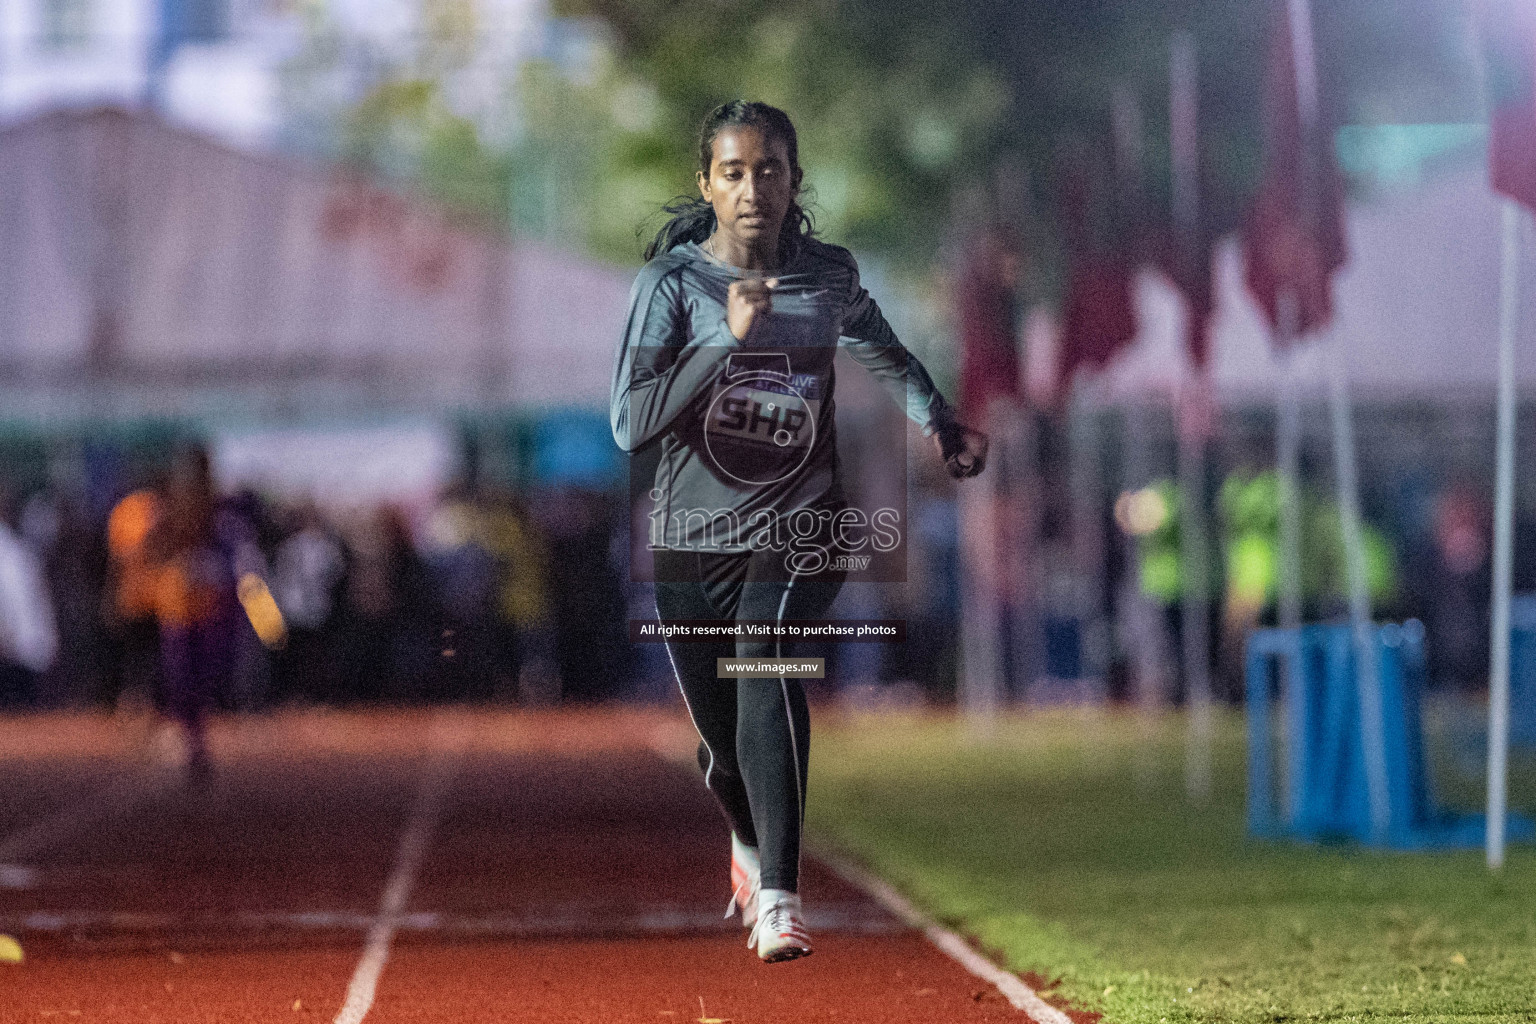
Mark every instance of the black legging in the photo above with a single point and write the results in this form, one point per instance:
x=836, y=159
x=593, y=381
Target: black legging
x=755, y=733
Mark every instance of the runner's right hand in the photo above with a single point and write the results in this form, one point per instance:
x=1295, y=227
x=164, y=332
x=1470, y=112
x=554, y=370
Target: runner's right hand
x=746, y=299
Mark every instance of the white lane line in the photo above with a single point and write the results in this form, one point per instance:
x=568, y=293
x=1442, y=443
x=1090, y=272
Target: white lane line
x=441, y=768
x=1013, y=988
x=118, y=796
x=1009, y=984
x=18, y=876
x=546, y=922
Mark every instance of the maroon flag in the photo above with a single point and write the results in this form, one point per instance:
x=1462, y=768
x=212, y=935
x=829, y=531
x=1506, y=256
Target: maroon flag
x=1187, y=263
x=1295, y=234
x=1099, y=319
x=988, y=314
x=1098, y=315
x=1512, y=121
x=1185, y=254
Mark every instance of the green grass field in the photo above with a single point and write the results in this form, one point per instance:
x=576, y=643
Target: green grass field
x=1063, y=843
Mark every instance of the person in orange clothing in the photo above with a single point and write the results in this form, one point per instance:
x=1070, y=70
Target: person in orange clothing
x=194, y=599
x=130, y=603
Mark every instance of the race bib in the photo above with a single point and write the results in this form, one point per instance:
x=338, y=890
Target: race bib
x=761, y=423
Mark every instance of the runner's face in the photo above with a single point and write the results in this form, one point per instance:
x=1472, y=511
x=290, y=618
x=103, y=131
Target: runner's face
x=750, y=184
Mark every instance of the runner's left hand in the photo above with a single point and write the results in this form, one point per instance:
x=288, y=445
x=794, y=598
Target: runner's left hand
x=963, y=450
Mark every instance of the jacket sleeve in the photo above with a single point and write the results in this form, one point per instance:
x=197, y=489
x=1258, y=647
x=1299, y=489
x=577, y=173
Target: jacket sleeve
x=868, y=338
x=665, y=361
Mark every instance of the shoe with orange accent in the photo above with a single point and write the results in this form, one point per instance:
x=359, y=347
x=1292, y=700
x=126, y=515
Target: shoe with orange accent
x=780, y=932
x=746, y=870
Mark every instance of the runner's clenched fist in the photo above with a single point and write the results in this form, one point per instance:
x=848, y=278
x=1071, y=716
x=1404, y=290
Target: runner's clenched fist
x=963, y=450
x=746, y=299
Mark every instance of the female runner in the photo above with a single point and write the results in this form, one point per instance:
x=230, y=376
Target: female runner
x=727, y=359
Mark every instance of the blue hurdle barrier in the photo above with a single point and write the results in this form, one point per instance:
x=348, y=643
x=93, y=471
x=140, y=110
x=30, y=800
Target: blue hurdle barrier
x=1324, y=793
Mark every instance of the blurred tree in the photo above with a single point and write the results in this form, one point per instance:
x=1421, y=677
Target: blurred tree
x=912, y=115
x=403, y=130
x=893, y=111
x=409, y=104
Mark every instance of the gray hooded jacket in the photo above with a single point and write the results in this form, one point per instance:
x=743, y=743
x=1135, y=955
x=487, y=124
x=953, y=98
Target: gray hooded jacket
x=748, y=429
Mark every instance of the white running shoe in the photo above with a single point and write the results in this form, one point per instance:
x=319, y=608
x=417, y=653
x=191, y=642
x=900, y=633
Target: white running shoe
x=746, y=873
x=779, y=933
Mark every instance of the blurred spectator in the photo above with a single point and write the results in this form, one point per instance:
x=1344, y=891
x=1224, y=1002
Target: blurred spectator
x=307, y=573
x=1458, y=603
x=73, y=555
x=134, y=634
x=464, y=576
x=243, y=528
x=933, y=586
x=586, y=593
x=29, y=639
x=652, y=677
x=388, y=645
x=363, y=640
x=194, y=600
x=525, y=649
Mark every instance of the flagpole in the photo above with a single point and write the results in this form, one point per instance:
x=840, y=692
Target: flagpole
x=1141, y=621
x=1504, y=473
x=1367, y=667
x=1289, y=313
x=1197, y=627
x=1503, y=536
x=1183, y=105
x=1145, y=619
x=1288, y=498
x=1367, y=676
x=1085, y=473
x=979, y=686
x=1287, y=462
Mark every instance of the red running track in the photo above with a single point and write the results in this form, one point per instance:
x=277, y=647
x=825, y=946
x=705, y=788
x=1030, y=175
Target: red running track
x=563, y=872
